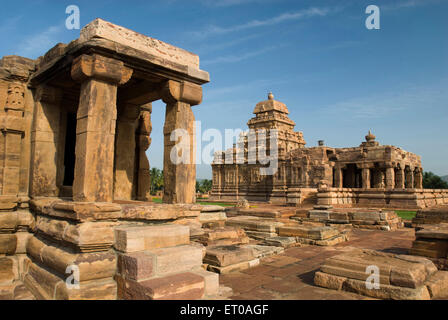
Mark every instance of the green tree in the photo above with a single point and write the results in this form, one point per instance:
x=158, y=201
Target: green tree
x=156, y=180
x=433, y=181
x=204, y=186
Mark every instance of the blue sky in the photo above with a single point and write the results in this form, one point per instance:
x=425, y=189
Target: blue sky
x=337, y=78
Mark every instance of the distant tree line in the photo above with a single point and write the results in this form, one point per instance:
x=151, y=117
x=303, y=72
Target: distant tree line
x=433, y=181
x=202, y=186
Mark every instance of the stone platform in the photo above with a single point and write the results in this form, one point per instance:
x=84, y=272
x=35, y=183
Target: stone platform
x=400, y=277
x=432, y=215
x=432, y=242
x=364, y=218
x=314, y=235
x=256, y=227
x=159, y=263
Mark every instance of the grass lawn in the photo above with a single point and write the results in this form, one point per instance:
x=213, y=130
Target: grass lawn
x=405, y=214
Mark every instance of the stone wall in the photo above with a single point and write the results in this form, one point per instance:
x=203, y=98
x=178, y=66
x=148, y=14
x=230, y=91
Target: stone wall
x=404, y=198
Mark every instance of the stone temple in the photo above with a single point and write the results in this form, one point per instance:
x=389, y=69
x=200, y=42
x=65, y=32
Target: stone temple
x=370, y=174
x=74, y=176
x=77, y=219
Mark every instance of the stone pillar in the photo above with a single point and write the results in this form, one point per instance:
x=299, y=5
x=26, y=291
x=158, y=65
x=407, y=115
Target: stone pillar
x=96, y=121
x=180, y=175
x=418, y=178
x=399, y=179
x=12, y=132
x=409, y=178
x=366, y=178
x=144, y=141
x=390, y=177
x=44, y=142
x=125, y=146
x=338, y=178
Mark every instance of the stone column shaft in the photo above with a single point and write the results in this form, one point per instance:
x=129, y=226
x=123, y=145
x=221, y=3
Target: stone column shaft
x=44, y=140
x=96, y=121
x=144, y=141
x=418, y=179
x=400, y=179
x=365, y=178
x=338, y=178
x=125, y=146
x=180, y=176
x=390, y=178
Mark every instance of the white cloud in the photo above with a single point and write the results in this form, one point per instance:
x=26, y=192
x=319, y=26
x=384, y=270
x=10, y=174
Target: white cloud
x=288, y=16
x=237, y=58
x=407, y=4
x=228, y=3
x=38, y=44
x=386, y=104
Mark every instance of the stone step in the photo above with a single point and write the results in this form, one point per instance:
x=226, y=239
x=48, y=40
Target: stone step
x=180, y=286
x=134, y=239
x=254, y=223
x=308, y=232
x=140, y=266
x=240, y=266
x=226, y=255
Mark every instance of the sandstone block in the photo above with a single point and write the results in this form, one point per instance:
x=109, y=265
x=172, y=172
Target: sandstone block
x=211, y=281
x=92, y=265
x=103, y=289
x=254, y=224
x=136, y=266
x=328, y=280
x=309, y=232
x=438, y=285
x=8, y=244
x=8, y=221
x=91, y=236
x=8, y=270
x=133, y=239
x=319, y=214
x=181, y=286
x=284, y=242
x=176, y=259
x=234, y=267
x=226, y=255
x=387, y=291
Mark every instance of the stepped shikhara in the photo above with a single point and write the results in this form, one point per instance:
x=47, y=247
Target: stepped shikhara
x=368, y=175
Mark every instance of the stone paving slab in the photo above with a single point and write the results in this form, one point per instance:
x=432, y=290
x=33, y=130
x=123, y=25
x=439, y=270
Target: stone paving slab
x=289, y=276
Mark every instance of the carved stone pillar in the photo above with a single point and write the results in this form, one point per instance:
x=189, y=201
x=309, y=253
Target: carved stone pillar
x=399, y=178
x=338, y=177
x=418, y=178
x=179, y=165
x=125, y=146
x=409, y=178
x=144, y=141
x=379, y=179
x=96, y=121
x=390, y=177
x=44, y=140
x=365, y=178
x=12, y=128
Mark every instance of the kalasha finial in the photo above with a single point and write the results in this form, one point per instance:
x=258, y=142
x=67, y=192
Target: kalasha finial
x=370, y=137
x=270, y=96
